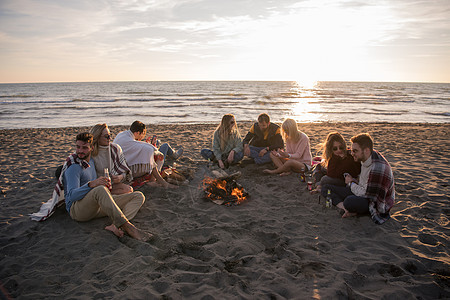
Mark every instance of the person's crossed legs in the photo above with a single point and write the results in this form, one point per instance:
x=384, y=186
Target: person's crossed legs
x=254, y=153
x=99, y=203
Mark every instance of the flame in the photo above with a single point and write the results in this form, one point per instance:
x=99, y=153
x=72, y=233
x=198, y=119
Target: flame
x=208, y=182
x=221, y=184
x=211, y=185
x=239, y=194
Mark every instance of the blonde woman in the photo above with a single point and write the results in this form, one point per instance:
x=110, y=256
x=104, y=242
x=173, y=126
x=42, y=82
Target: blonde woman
x=297, y=156
x=109, y=155
x=227, y=143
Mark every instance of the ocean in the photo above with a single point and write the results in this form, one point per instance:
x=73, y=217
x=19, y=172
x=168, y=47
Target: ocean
x=45, y=105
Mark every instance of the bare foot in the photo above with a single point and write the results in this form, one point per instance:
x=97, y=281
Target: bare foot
x=348, y=214
x=176, y=182
x=171, y=186
x=117, y=231
x=164, y=184
x=167, y=185
x=315, y=191
x=136, y=233
x=285, y=173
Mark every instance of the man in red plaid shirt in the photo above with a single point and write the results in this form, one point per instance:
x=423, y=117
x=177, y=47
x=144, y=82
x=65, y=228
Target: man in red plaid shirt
x=373, y=192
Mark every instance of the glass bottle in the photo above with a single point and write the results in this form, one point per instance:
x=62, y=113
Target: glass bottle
x=328, y=201
x=106, y=174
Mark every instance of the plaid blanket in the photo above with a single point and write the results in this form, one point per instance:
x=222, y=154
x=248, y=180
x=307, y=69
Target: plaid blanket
x=380, y=189
x=49, y=207
x=119, y=164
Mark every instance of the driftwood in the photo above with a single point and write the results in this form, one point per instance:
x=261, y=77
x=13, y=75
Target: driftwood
x=232, y=176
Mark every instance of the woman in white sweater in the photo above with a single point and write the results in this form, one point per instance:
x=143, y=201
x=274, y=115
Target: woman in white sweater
x=109, y=156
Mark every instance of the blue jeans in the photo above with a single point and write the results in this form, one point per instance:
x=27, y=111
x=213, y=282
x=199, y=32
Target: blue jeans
x=166, y=150
x=209, y=154
x=254, y=153
x=352, y=203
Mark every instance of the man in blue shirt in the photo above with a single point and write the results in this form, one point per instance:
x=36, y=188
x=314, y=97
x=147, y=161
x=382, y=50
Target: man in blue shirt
x=88, y=197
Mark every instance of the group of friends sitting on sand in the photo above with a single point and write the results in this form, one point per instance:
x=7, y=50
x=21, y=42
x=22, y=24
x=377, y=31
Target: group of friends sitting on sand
x=358, y=179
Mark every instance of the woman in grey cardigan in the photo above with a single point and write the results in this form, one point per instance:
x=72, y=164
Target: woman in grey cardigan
x=227, y=143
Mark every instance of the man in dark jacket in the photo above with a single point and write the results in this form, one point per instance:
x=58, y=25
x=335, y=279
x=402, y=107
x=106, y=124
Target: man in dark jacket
x=262, y=138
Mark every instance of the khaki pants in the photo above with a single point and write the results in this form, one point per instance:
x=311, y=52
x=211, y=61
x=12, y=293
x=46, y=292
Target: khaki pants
x=100, y=203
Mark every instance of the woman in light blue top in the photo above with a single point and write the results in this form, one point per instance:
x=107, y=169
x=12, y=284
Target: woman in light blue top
x=227, y=143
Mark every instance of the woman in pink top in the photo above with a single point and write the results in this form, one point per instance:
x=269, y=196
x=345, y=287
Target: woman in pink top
x=297, y=156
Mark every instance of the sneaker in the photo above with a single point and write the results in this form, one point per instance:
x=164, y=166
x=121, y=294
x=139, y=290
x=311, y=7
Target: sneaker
x=179, y=152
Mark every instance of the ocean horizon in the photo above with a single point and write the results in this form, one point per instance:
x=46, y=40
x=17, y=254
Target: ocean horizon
x=69, y=104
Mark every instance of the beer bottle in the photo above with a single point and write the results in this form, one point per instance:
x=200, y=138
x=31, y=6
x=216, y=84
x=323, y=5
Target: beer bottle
x=106, y=174
x=328, y=201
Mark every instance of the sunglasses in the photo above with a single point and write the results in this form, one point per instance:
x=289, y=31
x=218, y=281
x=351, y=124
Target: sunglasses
x=107, y=136
x=232, y=122
x=336, y=148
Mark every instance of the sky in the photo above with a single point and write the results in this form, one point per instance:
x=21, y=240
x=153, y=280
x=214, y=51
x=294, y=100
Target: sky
x=147, y=40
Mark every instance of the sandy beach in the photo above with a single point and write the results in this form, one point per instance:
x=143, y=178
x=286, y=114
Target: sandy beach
x=279, y=244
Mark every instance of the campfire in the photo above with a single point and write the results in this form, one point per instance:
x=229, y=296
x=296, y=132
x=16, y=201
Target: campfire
x=224, y=191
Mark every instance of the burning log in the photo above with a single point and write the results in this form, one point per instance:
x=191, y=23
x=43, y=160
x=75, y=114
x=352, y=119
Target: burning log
x=224, y=190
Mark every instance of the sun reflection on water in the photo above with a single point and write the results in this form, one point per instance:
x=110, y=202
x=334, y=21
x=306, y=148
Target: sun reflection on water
x=307, y=84
x=306, y=108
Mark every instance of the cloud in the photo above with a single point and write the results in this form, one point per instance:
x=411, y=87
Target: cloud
x=133, y=26
x=219, y=32
x=24, y=18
